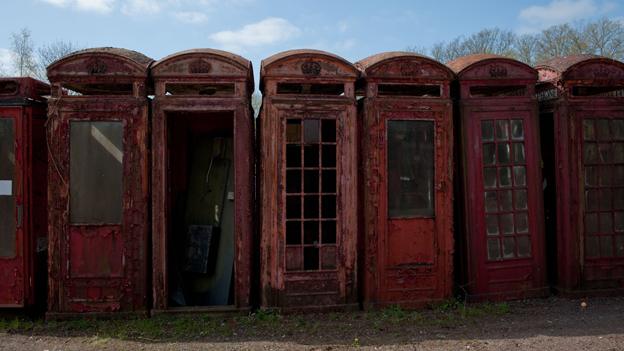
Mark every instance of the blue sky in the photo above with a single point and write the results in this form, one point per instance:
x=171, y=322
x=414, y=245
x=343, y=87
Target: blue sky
x=258, y=28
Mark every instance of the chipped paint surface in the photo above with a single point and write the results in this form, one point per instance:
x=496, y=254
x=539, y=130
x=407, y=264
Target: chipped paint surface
x=99, y=268
x=405, y=261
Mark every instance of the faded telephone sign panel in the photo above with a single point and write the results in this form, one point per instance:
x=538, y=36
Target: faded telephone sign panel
x=502, y=239
x=308, y=181
x=98, y=182
x=202, y=139
x=406, y=138
x=582, y=122
x=23, y=203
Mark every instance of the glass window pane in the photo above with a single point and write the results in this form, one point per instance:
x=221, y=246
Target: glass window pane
x=507, y=223
x=518, y=152
x=606, y=246
x=524, y=246
x=502, y=130
x=311, y=132
x=602, y=129
x=591, y=223
x=517, y=129
x=618, y=129
x=491, y=222
x=618, y=199
x=618, y=221
x=509, y=247
x=328, y=130
x=96, y=172
x=7, y=188
x=519, y=176
x=604, y=177
x=522, y=222
x=590, y=153
x=605, y=153
x=606, y=223
x=293, y=130
x=489, y=177
x=605, y=199
x=618, y=152
x=504, y=174
x=487, y=130
x=489, y=154
x=493, y=249
x=592, y=246
x=491, y=202
x=618, y=175
x=503, y=153
x=589, y=133
x=591, y=176
x=591, y=200
x=520, y=199
x=619, y=246
x=410, y=168
x=505, y=200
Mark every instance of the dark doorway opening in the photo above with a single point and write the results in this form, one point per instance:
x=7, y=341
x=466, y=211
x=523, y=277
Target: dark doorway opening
x=200, y=237
x=547, y=144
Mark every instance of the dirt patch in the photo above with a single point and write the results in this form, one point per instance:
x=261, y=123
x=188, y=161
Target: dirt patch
x=546, y=324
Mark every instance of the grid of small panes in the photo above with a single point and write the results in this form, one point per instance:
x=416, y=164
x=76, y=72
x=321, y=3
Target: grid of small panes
x=311, y=196
x=603, y=165
x=505, y=189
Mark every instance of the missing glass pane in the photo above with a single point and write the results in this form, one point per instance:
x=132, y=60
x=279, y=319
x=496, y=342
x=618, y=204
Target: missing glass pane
x=293, y=156
x=605, y=152
x=311, y=206
x=329, y=156
x=311, y=155
x=293, y=233
x=311, y=181
x=310, y=258
x=311, y=232
x=329, y=232
x=293, y=181
x=329, y=181
x=328, y=130
x=96, y=171
x=329, y=206
x=293, y=207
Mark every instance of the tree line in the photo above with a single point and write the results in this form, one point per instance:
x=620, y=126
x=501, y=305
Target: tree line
x=604, y=37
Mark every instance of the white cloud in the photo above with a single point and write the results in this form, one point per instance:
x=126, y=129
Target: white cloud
x=192, y=17
x=6, y=62
x=100, y=6
x=266, y=32
x=556, y=12
x=140, y=7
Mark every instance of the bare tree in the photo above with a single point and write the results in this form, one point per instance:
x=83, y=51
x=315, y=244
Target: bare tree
x=487, y=41
x=23, y=53
x=48, y=53
x=559, y=40
x=605, y=37
x=524, y=48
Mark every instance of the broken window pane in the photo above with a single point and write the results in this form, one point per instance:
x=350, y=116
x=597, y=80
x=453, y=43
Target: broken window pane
x=502, y=130
x=293, y=130
x=487, y=131
x=96, y=172
x=311, y=132
x=517, y=129
x=410, y=168
x=7, y=188
x=493, y=249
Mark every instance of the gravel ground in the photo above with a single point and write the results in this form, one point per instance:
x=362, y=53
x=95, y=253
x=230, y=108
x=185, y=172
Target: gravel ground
x=544, y=324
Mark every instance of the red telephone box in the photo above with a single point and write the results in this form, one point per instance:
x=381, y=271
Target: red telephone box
x=502, y=183
x=202, y=181
x=98, y=186
x=308, y=181
x=23, y=205
x=582, y=121
x=407, y=183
